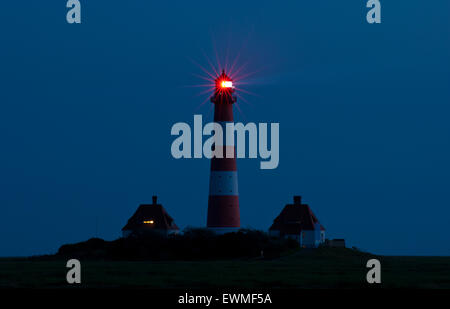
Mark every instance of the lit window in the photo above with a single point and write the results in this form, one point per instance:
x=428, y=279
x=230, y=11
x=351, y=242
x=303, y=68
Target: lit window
x=149, y=222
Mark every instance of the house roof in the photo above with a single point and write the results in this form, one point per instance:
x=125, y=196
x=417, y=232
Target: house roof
x=295, y=218
x=151, y=216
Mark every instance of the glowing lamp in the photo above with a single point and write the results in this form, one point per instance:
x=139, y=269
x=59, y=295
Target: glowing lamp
x=223, y=93
x=226, y=84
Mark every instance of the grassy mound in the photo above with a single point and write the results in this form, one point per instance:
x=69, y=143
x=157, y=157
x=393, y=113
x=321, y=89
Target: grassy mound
x=193, y=244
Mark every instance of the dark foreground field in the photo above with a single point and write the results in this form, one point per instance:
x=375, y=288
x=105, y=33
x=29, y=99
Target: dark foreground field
x=320, y=268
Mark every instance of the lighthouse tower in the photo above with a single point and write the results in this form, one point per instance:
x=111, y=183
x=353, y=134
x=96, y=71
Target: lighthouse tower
x=223, y=202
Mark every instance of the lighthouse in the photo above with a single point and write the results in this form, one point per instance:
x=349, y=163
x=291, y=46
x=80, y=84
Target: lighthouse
x=223, y=202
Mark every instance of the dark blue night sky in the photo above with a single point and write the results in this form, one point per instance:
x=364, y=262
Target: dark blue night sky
x=86, y=112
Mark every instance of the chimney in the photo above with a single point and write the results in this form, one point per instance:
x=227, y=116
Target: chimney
x=154, y=198
x=297, y=199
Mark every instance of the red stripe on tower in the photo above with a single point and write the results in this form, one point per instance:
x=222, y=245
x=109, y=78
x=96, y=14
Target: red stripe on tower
x=223, y=202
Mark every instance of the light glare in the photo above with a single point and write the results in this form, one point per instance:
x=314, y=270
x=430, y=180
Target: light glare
x=227, y=84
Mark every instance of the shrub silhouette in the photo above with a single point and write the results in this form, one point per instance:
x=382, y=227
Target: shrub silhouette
x=192, y=244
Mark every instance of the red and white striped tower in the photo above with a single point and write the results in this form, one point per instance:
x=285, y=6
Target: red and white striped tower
x=223, y=203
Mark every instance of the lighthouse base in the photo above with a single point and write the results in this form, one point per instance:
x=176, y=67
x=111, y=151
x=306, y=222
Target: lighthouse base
x=223, y=230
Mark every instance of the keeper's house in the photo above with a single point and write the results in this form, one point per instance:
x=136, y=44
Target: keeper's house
x=297, y=221
x=150, y=218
